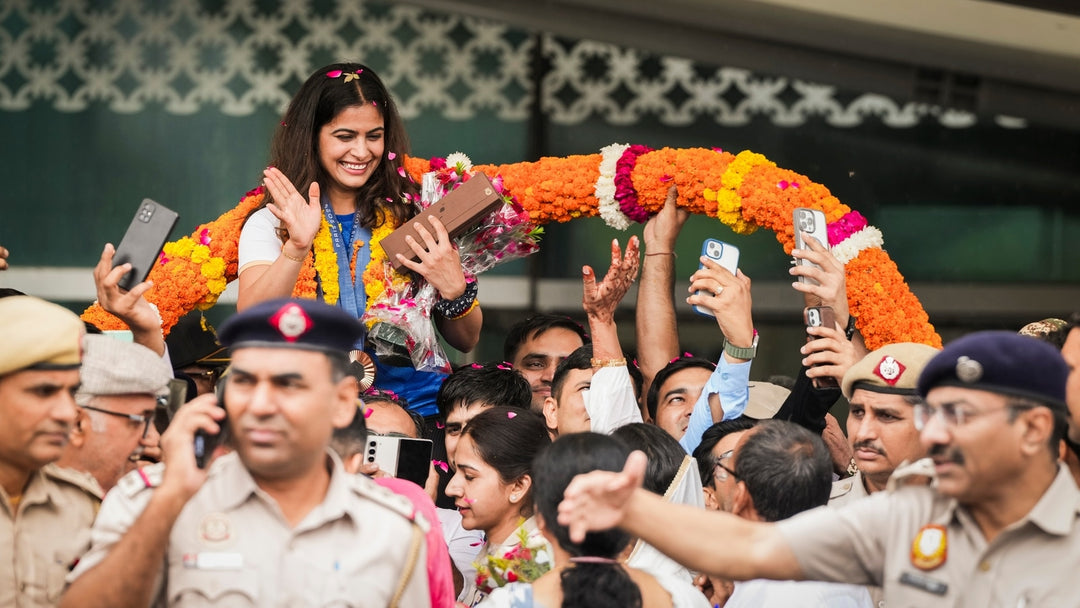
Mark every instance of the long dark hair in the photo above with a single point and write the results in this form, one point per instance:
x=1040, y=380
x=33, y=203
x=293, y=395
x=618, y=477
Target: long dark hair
x=587, y=584
x=508, y=439
x=294, y=149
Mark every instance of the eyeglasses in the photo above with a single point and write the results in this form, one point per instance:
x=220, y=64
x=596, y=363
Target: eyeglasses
x=728, y=471
x=951, y=415
x=138, y=419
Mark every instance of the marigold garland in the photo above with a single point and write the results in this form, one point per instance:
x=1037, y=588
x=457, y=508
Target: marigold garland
x=744, y=191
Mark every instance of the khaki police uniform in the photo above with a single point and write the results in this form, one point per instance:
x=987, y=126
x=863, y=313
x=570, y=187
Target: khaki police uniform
x=846, y=491
x=881, y=539
x=231, y=546
x=44, y=536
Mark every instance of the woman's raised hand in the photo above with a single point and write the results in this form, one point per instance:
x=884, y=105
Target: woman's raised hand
x=300, y=217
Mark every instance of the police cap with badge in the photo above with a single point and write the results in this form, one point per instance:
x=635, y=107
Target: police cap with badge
x=1000, y=362
x=893, y=369
x=292, y=323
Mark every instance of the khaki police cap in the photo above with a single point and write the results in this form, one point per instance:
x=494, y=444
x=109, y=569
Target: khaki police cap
x=765, y=400
x=893, y=368
x=114, y=367
x=38, y=334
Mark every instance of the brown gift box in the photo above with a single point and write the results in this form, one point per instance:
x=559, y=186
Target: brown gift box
x=461, y=209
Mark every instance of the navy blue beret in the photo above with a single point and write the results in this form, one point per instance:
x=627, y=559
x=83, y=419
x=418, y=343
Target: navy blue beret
x=292, y=323
x=1000, y=362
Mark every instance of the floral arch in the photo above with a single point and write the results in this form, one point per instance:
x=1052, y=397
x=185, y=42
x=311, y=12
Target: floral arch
x=622, y=184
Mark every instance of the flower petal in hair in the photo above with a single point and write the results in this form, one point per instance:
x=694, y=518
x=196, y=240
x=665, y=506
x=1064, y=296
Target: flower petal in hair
x=511, y=415
x=333, y=73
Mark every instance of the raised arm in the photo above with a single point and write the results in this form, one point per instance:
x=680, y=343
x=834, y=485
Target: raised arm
x=831, y=289
x=657, y=332
x=301, y=218
x=128, y=306
x=602, y=500
x=611, y=401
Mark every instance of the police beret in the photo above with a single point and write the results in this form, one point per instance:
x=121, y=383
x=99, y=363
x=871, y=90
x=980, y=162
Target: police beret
x=892, y=369
x=38, y=334
x=1000, y=362
x=114, y=367
x=292, y=323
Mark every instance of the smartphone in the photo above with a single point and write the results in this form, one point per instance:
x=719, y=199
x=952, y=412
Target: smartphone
x=402, y=457
x=722, y=253
x=205, y=443
x=821, y=316
x=812, y=223
x=142, y=242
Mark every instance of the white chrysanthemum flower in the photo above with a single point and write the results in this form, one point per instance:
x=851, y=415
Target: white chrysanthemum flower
x=459, y=160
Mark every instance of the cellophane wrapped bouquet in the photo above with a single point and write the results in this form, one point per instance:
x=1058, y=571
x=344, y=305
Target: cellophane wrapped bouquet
x=400, y=319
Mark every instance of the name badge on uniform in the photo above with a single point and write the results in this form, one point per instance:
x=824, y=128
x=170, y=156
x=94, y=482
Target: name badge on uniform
x=927, y=584
x=930, y=547
x=214, y=560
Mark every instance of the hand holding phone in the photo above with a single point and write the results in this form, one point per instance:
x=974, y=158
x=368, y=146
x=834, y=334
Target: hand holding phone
x=809, y=222
x=206, y=443
x=821, y=316
x=142, y=242
x=724, y=254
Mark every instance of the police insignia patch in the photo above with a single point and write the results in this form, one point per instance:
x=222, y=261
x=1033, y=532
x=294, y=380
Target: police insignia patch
x=215, y=528
x=968, y=370
x=291, y=322
x=889, y=370
x=930, y=547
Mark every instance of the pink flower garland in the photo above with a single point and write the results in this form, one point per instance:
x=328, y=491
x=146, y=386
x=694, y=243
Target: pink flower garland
x=846, y=226
x=624, y=185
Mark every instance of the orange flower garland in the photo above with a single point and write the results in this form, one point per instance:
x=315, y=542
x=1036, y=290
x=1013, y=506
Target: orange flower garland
x=744, y=191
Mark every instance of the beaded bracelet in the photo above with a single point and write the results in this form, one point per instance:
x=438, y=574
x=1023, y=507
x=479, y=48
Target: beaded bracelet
x=460, y=305
x=474, y=306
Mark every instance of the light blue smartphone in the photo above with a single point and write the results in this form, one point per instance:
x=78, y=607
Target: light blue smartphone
x=725, y=254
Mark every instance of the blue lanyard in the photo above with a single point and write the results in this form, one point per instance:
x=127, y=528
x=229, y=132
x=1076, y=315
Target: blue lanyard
x=352, y=296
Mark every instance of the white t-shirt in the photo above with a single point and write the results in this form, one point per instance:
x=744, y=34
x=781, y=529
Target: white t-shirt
x=259, y=243
x=808, y=594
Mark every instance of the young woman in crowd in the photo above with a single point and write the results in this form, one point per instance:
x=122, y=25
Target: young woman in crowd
x=492, y=489
x=336, y=156
x=587, y=574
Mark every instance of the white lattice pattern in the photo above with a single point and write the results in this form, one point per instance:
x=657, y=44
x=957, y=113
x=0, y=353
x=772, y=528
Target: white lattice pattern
x=239, y=55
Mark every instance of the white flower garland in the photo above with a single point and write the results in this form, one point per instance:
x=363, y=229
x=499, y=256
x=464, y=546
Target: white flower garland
x=605, y=187
x=849, y=248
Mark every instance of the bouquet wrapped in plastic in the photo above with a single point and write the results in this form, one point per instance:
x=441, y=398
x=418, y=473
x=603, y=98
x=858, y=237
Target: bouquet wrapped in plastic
x=400, y=318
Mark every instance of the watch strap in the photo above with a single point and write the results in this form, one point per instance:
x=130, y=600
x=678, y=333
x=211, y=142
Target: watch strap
x=739, y=352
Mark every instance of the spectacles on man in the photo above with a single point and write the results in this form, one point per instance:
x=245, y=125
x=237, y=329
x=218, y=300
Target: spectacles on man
x=720, y=465
x=951, y=415
x=144, y=420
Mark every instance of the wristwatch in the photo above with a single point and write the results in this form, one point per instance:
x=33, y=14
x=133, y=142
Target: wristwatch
x=739, y=352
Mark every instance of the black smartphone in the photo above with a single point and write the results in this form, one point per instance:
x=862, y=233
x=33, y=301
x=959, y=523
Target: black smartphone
x=142, y=242
x=821, y=316
x=206, y=443
x=402, y=457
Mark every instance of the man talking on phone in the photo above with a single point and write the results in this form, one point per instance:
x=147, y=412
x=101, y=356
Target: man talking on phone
x=277, y=520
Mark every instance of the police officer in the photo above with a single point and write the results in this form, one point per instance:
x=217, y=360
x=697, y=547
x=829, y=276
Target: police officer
x=880, y=389
x=277, y=521
x=46, y=511
x=1001, y=528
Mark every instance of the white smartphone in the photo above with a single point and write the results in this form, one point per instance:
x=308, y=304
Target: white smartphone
x=402, y=457
x=812, y=223
x=724, y=254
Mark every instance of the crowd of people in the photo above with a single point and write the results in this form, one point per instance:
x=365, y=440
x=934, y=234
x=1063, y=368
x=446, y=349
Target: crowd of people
x=239, y=467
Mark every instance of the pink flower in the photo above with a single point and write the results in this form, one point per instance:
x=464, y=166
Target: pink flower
x=511, y=415
x=438, y=163
x=511, y=577
x=204, y=236
x=782, y=184
x=368, y=412
x=162, y=259
x=333, y=73
x=439, y=425
x=441, y=465
x=401, y=171
x=391, y=155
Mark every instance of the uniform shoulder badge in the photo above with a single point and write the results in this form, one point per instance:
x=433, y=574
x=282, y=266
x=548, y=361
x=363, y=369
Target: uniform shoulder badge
x=389, y=499
x=141, y=479
x=930, y=548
